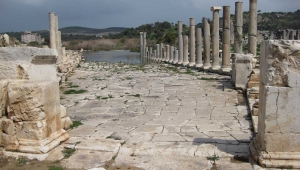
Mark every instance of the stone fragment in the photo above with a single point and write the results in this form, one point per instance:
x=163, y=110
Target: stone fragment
x=3, y=97
x=34, y=100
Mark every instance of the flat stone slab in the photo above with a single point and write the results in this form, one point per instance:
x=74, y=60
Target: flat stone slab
x=153, y=117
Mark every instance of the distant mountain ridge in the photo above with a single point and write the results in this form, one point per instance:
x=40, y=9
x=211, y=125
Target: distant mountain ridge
x=76, y=30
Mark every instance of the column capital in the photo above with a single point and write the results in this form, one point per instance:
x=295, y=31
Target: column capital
x=215, y=8
x=141, y=33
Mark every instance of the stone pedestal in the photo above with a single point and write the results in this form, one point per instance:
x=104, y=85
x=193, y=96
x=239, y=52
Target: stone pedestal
x=277, y=144
x=215, y=39
x=252, y=29
x=206, y=64
x=238, y=28
x=34, y=120
x=180, y=43
x=199, y=48
x=185, y=50
x=226, y=41
x=192, y=43
x=242, y=70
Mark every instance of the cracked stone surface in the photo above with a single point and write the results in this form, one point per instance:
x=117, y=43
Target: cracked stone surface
x=155, y=116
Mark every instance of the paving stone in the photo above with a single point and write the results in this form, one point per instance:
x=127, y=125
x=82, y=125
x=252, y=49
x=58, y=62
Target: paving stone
x=176, y=121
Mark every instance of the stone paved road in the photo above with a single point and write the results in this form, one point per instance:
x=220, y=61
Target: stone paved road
x=155, y=117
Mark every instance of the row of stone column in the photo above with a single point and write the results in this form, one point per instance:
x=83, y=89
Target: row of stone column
x=55, y=35
x=201, y=56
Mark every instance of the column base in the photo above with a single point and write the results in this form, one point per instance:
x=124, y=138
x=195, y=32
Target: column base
x=206, y=67
x=179, y=62
x=174, y=62
x=185, y=63
x=170, y=61
x=288, y=160
x=39, y=146
x=191, y=64
x=214, y=68
x=199, y=65
x=226, y=70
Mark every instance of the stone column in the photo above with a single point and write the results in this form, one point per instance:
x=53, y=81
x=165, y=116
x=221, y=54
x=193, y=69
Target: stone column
x=175, y=61
x=145, y=43
x=59, y=42
x=192, y=42
x=150, y=52
x=252, y=30
x=161, y=52
x=52, y=29
x=185, y=50
x=141, y=44
x=215, y=39
x=157, y=51
x=180, y=43
x=147, y=52
x=199, y=48
x=167, y=53
x=206, y=64
x=238, y=28
x=226, y=40
x=63, y=51
x=56, y=35
x=171, y=54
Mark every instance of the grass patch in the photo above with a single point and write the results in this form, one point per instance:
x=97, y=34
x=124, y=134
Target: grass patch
x=70, y=85
x=68, y=152
x=110, y=96
x=189, y=71
x=213, y=158
x=128, y=78
x=72, y=91
x=236, y=104
x=123, y=143
x=55, y=168
x=75, y=124
x=174, y=69
x=98, y=97
x=22, y=160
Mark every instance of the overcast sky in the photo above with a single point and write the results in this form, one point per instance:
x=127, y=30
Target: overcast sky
x=21, y=15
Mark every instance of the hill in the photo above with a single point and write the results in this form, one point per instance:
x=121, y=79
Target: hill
x=75, y=30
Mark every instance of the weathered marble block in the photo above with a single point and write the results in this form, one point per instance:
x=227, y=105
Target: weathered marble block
x=242, y=70
x=277, y=144
x=33, y=100
x=3, y=97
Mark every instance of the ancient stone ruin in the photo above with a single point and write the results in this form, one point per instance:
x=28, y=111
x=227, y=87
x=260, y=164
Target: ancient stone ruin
x=31, y=117
x=271, y=90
